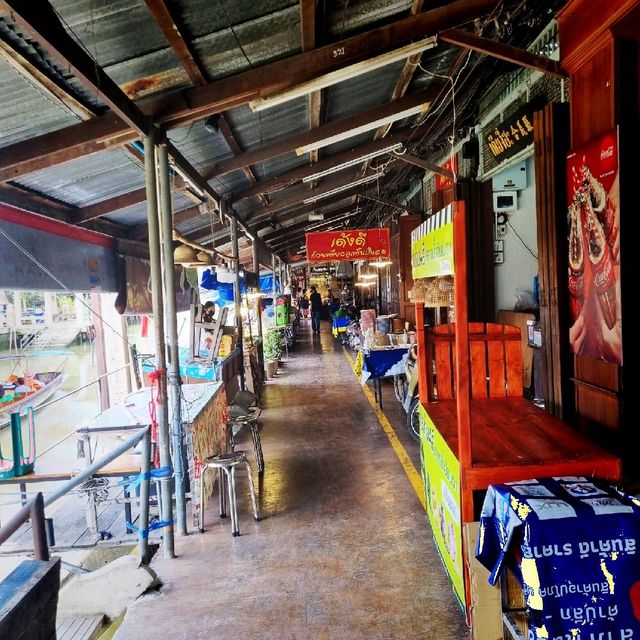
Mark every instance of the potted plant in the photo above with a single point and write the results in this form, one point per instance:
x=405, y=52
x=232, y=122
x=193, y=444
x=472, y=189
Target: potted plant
x=272, y=351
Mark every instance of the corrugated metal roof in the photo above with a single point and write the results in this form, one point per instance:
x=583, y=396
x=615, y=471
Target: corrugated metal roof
x=88, y=180
x=227, y=36
x=25, y=112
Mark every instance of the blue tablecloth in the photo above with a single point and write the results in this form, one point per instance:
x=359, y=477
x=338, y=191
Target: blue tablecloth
x=381, y=363
x=573, y=543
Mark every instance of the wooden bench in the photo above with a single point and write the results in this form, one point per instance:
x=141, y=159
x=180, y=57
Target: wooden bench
x=508, y=438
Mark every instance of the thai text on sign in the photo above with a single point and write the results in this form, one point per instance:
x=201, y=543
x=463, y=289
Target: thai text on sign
x=345, y=246
x=512, y=135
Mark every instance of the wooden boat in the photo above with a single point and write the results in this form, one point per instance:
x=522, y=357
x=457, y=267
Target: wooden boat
x=48, y=381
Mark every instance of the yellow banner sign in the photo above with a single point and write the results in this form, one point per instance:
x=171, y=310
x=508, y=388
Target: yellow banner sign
x=432, y=254
x=441, y=475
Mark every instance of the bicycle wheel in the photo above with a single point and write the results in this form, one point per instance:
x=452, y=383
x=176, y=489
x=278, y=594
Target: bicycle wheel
x=413, y=419
x=399, y=387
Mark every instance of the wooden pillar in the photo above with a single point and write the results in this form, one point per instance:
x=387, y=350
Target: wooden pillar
x=462, y=356
x=551, y=132
x=101, y=362
x=423, y=360
x=599, y=48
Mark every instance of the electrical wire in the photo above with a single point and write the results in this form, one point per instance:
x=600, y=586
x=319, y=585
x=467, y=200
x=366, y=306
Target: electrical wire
x=524, y=244
x=244, y=53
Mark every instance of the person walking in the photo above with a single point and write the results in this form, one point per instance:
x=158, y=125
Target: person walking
x=303, y=304
x=315, y=300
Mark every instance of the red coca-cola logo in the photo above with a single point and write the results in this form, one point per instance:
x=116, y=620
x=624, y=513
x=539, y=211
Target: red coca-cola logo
x=603, y=279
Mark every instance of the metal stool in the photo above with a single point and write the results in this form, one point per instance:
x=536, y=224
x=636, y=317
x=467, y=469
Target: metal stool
x=226, y=464
x=239, y=419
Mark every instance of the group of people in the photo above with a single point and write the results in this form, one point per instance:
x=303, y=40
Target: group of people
x=311, y=306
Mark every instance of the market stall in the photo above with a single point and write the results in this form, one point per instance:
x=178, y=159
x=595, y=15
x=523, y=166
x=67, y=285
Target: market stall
x=476, y=428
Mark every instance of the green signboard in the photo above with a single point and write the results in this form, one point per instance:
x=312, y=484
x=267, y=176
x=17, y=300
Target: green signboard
x=432, y=254
x=441, y=475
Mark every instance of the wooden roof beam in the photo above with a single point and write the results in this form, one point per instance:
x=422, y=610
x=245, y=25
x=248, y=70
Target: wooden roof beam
x=184, y=107
x=298, y=196
x=289, y=178
x=337, y=127
x=308, y=28
x=502, y=51
x=63, y=145
x=188, y=105
x=175, y=36
x=426, y=165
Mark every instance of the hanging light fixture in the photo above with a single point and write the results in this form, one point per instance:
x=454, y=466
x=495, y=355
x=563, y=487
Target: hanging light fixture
x=205, y=258
x=380, y=263
x=185, y=255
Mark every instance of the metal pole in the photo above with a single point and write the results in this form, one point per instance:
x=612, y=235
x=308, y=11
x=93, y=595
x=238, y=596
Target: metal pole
x=273, y=272
x=236, y=292
x=173, y=368
x=145, y=468
x=256, y=268
x=40, y=548
x=157, y=304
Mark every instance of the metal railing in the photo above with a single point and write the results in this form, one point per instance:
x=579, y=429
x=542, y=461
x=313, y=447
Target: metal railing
x=34, y=511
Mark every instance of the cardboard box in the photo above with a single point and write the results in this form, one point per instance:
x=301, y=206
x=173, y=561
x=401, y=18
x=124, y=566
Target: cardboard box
x=485, y=608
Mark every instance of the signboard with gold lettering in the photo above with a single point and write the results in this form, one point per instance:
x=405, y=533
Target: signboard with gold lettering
x=353, y=244
x=512, y=135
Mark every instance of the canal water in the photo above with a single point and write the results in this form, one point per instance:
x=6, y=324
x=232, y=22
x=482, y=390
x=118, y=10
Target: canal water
x=61, y=415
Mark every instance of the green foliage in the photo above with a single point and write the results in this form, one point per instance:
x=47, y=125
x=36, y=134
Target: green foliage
x=271, y=346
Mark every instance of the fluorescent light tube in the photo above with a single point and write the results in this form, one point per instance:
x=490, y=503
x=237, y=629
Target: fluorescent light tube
x=350, y=71
x=369, y=126
x=315, y=217
x=344, y=187
x=351, y=163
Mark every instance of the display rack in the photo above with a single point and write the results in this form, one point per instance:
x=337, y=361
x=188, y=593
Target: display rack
x=476, y=428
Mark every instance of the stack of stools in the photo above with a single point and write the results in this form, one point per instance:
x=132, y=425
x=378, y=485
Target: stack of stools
x=226, y=464
x=244, y=411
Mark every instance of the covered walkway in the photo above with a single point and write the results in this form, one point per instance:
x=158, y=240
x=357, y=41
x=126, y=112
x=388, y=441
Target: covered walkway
x=343, y=550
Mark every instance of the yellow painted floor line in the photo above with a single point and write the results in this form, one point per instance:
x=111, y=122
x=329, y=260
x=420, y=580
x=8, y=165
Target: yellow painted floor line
x=409, y=468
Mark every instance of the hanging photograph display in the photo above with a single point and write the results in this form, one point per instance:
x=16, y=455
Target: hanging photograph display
x=594, y=249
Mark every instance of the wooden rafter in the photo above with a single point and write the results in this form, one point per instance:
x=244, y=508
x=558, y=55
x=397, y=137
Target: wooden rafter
x=112, y=204
x=289, y=178
x=406, y=75
x=337, y=127
x=63, y=145
x=40, y=20
x=298, y=196
x=308, y=28
x=502, y=51
x=179, y=43
x=426, y=165
x=186, y=106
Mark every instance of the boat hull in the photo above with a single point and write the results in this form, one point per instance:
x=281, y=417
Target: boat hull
x=52, y=381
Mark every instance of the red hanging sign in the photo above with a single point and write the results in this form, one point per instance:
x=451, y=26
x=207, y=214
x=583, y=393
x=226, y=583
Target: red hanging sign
x=345, y=246
x=442, y=182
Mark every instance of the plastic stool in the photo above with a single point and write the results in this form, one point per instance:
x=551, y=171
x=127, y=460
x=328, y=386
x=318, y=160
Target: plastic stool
x=250, y=420
x=226, y=464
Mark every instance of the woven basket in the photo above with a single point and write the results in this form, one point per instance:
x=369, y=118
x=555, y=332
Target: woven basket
x=433, y=292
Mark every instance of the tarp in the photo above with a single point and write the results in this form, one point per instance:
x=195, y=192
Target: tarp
x=573, y=542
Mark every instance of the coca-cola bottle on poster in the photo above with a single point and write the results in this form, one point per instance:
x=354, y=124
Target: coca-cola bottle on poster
x=576, y=261
x=602, y=207
x=601, y=264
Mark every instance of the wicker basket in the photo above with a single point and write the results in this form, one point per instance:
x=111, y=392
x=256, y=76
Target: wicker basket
x=433, y=292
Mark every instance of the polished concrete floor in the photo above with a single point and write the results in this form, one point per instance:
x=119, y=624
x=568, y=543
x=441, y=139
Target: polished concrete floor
x=343, y=550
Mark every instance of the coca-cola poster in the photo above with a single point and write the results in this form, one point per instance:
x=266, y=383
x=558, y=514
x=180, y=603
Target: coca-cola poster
x=593, y=218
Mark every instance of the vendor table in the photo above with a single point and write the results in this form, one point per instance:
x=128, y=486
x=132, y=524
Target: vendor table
x=573, y=543
x=383, y=362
